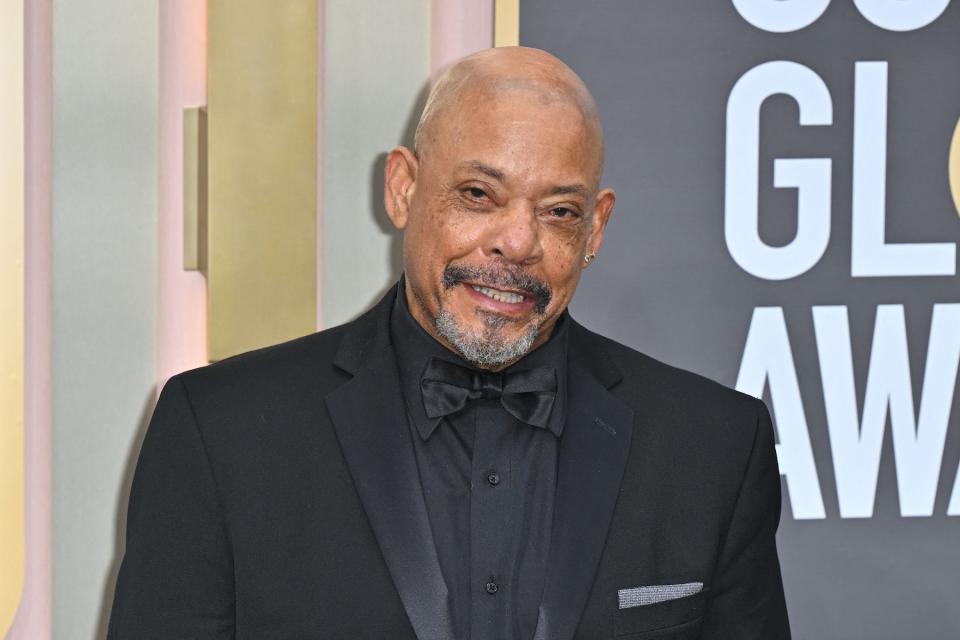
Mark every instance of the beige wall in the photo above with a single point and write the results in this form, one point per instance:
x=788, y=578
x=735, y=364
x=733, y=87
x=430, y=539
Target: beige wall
x=104, y=286
x=105, y=202
x=375, y=74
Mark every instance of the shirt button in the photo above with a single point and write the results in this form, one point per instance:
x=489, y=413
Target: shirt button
x=493, y=478
x=491, y=586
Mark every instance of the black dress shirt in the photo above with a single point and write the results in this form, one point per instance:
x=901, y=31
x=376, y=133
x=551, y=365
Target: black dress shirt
x=489, y=482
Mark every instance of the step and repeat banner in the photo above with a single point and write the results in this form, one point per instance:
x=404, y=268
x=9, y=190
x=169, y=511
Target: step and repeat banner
x=788, y=214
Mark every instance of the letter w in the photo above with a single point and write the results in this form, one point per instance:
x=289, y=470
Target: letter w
x=917, y=443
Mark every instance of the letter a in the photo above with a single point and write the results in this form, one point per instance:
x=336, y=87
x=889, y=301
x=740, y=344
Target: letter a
x=767, y=358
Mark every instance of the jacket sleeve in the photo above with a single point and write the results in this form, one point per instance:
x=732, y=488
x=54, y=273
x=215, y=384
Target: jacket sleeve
x=176, y=578
x=747, y=601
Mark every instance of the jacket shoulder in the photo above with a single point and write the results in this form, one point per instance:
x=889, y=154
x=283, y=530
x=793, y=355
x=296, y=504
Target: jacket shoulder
x=651, y=380
x=303, y=365
x=313, y=358
x=702, y=427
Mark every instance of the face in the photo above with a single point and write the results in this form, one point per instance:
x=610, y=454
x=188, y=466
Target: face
x=497, y=215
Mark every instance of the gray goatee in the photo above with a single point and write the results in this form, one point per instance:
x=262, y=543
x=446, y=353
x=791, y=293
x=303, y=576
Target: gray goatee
x=488, y=347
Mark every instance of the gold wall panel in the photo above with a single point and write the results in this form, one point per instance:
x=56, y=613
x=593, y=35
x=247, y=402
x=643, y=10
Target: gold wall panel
x=12, y=539
x=262, y=168
x=195, y=189
x=954, y=167
x=506, y=25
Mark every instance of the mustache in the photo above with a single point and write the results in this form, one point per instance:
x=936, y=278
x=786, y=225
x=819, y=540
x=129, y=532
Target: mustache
x=500, y=277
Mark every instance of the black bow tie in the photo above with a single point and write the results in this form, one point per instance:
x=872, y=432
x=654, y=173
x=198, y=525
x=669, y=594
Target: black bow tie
x=526, y=395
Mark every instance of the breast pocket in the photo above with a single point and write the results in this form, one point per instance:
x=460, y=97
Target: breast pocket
x=678, y=619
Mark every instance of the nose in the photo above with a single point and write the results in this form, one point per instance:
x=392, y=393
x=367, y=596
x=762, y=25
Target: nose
x=515, y=234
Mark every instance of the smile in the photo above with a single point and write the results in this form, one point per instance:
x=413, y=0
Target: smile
x=500, y=296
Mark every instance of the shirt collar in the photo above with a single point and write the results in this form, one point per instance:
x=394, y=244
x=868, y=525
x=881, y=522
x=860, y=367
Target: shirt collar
x=414, y=347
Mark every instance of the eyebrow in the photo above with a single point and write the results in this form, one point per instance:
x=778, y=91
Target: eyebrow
x=500, y=176
x=569, y=189
x=487, y=170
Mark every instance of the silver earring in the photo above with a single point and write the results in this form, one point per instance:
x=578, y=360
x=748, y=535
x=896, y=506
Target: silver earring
x=587, y=258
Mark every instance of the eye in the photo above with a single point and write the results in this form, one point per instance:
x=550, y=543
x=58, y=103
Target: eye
x=562, y=212
x=475, y=193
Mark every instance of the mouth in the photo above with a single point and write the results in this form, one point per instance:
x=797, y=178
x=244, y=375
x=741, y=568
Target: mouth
x=499, y=289
x=500, y=295
x=499, y=300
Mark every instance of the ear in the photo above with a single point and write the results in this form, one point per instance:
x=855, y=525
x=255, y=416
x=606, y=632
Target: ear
x=601, y=216
x=399, y=184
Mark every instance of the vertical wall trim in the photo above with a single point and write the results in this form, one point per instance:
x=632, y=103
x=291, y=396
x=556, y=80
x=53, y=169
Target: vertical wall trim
x=34, y=617
x=181, y=295
x=507, y=25
x=457, y=29
x=12, y=468
x=321, y=106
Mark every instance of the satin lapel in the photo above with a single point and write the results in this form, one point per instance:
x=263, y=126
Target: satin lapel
x=593, y=454
x=370, y=418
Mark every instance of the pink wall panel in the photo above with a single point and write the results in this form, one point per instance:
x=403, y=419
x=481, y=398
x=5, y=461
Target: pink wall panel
x=182, y=318
x=457, y=29
x=34, y=616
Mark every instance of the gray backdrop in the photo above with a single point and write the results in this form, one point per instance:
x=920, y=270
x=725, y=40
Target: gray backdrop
x=667, y=283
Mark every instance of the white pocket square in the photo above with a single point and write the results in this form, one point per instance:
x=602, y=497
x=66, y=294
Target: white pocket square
x=642, y=596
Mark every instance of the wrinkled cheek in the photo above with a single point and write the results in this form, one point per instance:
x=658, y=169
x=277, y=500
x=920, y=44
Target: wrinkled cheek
x=563, y=294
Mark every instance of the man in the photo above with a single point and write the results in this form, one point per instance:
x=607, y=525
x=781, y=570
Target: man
x=464, y=460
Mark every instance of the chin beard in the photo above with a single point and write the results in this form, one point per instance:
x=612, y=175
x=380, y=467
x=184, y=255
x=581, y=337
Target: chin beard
x=487, y=348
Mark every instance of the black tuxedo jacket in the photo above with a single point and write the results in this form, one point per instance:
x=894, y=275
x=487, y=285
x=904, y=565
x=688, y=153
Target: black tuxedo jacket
x=277, y=496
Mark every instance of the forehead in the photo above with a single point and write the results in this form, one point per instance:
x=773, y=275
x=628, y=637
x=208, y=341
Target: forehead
x=526, y=134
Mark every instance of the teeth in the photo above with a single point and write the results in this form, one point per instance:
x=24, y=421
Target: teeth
x=499, y=296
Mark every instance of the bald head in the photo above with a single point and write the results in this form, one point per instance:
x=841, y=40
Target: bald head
x=500, y=74
x=501, y=195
